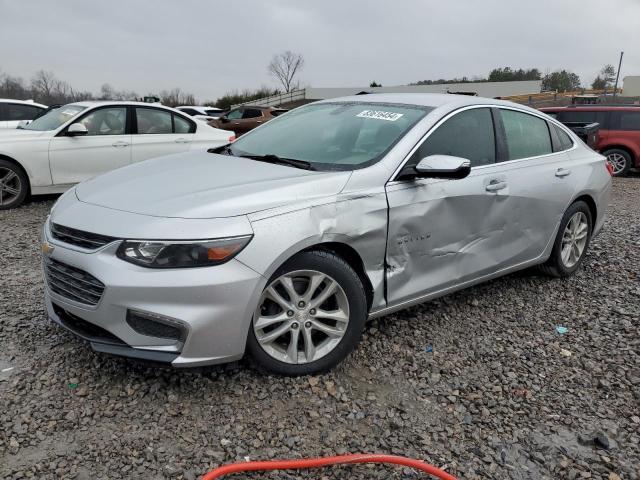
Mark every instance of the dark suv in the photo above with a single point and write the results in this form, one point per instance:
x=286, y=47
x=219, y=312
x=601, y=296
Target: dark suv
x=242, y=119
x=619, y=135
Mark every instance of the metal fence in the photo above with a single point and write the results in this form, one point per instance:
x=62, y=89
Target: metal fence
x=276, y=100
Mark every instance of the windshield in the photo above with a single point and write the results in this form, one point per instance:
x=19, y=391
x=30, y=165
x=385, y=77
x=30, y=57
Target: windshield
x=332, y=136
x=54, y=118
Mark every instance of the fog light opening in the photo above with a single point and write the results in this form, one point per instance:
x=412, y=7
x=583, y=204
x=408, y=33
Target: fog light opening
x=157, y=326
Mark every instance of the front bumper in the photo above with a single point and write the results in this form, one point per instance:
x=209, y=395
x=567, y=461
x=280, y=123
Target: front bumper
x=212, y=305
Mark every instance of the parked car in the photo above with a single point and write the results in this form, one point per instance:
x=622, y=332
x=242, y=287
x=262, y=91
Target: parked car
x=619, y=134
x=243, y=119
x=81, y=140
x=206, y=114
x=15, y=112
x=286, y=241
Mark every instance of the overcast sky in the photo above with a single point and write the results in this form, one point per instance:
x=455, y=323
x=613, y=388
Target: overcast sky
x=209, y=47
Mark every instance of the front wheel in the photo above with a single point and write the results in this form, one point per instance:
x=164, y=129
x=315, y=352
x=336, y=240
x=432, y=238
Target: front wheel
x=310, y=315
x=572, y=241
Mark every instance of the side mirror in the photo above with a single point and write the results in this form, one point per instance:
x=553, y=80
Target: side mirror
x=76, y=130
x=443, y=166
x=23, y=123
x=224, y=119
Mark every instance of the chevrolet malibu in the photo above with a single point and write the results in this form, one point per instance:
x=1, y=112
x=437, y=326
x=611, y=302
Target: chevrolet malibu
x=285, y=242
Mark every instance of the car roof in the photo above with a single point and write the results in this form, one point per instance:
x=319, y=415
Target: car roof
x=433, y=100
x=93, y=103
x=199, y=106
x=591, y=107
x=23, y=102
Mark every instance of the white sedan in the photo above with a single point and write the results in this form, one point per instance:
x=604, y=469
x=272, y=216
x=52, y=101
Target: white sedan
x=78, y=141
x=15, y=112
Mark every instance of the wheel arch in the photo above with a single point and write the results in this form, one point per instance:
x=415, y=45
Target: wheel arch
x=591, y=203
x=21, y=167
x=339, y=246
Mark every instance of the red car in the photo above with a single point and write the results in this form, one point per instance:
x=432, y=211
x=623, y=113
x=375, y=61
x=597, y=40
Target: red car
x=619, y=134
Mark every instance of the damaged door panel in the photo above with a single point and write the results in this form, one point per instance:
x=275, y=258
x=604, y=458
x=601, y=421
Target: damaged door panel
x=444, y=232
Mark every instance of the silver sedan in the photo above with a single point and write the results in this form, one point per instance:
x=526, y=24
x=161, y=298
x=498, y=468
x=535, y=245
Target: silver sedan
x=285, y=242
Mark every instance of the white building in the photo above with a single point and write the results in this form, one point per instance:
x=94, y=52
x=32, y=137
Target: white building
x=481, y=89
x=631, y=86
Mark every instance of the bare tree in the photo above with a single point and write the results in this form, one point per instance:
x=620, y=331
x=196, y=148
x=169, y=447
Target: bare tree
x=284, y=67
x=43, y=85
x=176, y=97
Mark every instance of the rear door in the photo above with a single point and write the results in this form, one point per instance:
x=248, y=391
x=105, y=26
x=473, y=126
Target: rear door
x=159, y=132
x=541, y=181
x=107, y=146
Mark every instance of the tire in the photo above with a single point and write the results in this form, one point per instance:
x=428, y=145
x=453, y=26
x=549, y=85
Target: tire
x=294, y=320
x=620, y=160
x=558, y=265
x=14, y=185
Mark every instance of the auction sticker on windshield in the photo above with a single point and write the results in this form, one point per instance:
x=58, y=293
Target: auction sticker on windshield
x=380, y=115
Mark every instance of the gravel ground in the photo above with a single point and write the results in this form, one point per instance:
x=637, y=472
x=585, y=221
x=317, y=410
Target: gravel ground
x=479, y=381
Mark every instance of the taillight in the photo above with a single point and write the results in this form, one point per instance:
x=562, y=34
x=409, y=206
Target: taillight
x=609, y=167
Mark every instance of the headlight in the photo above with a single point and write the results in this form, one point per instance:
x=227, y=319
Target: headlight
x=199, y=253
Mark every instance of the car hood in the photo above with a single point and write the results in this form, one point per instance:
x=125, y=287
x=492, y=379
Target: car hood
x=206, y=185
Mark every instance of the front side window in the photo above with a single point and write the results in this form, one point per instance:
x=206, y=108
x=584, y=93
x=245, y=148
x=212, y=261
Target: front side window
x=333, y=136
x=527, y=136
x=468, y=134
x=153, y=121
x=55, y=118
x=235, y=114
x=106, y=121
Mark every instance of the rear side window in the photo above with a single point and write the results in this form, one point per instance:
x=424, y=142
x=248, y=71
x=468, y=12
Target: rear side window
x=153, y=121
x=21, y=112
x=625, y=120
x=251, y=113
x=527, y=136
x=565, y=140
x=182, y=125
x=468, y=134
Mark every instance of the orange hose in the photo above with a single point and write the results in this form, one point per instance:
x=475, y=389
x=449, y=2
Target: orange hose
x=324, y=462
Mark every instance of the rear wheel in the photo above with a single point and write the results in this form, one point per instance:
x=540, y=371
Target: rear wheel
x=310, y=315
x=572, y=241
x=620, y=161
x=13, y=185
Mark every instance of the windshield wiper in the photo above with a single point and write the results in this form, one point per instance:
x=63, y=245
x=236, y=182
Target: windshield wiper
x=271, y=158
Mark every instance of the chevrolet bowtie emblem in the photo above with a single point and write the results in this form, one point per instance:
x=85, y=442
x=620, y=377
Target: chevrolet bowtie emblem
x=47, y=248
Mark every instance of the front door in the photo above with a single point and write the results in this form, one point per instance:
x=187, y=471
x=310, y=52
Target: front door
x=446, y=232
x=105, y=147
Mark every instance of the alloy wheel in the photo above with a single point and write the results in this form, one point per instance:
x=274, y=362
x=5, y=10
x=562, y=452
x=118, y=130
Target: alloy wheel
x=574, y=239
x=301, y=317
x=617, y=162
x=10, y=186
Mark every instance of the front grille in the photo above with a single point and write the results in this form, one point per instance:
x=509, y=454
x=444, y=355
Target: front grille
x=79, y=238
x=72, y=283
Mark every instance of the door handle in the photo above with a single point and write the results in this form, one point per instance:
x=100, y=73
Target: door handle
x=562, y=172
x=120, y=144
x=495, y=185
x=182, y=140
